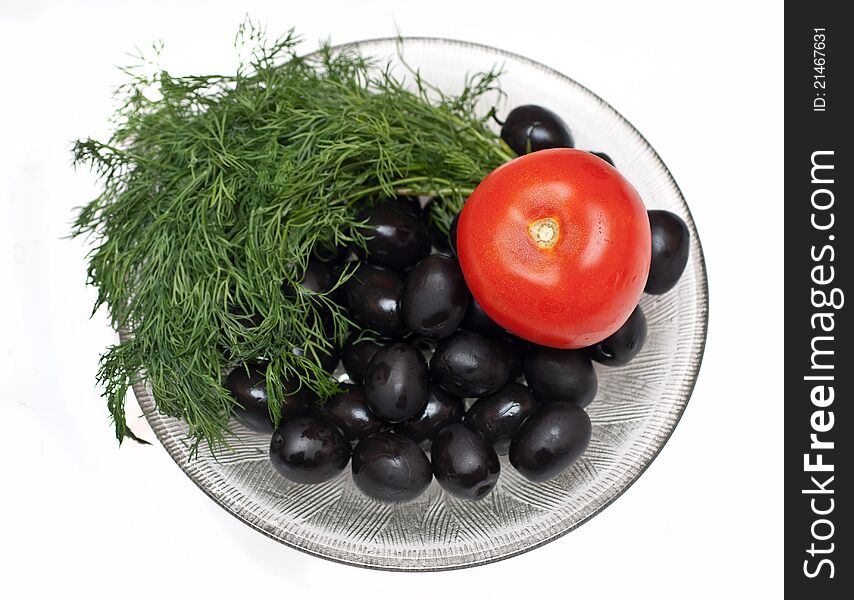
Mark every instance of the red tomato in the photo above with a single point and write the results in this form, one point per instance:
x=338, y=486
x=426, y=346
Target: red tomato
x=555, y=246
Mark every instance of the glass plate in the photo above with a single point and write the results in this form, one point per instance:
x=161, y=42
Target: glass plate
x=636, y=409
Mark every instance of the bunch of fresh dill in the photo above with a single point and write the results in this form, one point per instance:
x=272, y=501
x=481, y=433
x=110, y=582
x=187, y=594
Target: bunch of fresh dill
x=218, y=189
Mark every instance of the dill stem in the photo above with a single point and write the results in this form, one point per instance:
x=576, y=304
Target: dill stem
x=440, y=193
x=368, y=191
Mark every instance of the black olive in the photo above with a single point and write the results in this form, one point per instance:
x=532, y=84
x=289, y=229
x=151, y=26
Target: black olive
x=348, y=410
x=671, y=241
x=319, y=277
x=513, y=348
x=249, y=388
x=398, y=239
x=452, y=233
x=478, y=321
x=250, y=391
x=435, y=297
x=373, y=295
x=424, y=345
x=624, y=344
x=330, y=358
x=442, y=409
x=464, y=464
x=298, y=401
x=408, y=204
x=499, y=416
x=440, y=241
x=390, y=467
x=356, y=356
x=469, y=365
x=445, y=243
x=396, y=382
x=556, y=375
x=530, y=128
x=604, y=157
x=309, y=450
x=333, y=255
x=550, y=441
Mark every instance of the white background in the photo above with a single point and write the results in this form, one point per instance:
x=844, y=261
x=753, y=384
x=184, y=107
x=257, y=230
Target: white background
x=81, y=517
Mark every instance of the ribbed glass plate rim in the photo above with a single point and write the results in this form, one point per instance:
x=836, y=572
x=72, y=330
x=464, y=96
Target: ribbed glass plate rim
x=177, y=449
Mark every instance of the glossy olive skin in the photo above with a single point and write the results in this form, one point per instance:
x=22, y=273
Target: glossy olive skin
x=499, y=416
x=398, y=239
x=390, y=467
x=396, y=382
x=309, y=450
x=671, y=242
x=435, y=297
x=478, y=321
x=604, y=157
x=356, y=356
x=250, y=391
x=330, y=359
x=249, y=388
x=373, y=297
x=624, y=344
x=550, y=441
x=441, y=409
x=348, y=410
x=452, y=234
x=408, y=204
x=423, y=345
x=441, y=243
x=319, y=277
x=469, y=365
x=445, y=243
x=464, y=464
x=514, y=350
x=556, y=375
x=298, y=401
x=530, y=128
x=333, y=255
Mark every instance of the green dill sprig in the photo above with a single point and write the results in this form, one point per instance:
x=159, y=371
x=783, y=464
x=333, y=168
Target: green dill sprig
x=218, y=188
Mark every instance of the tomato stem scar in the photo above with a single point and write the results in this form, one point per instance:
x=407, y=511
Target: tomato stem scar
x=544, y=232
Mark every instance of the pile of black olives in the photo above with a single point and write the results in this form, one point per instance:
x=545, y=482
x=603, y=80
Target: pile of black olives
x=432, y=351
